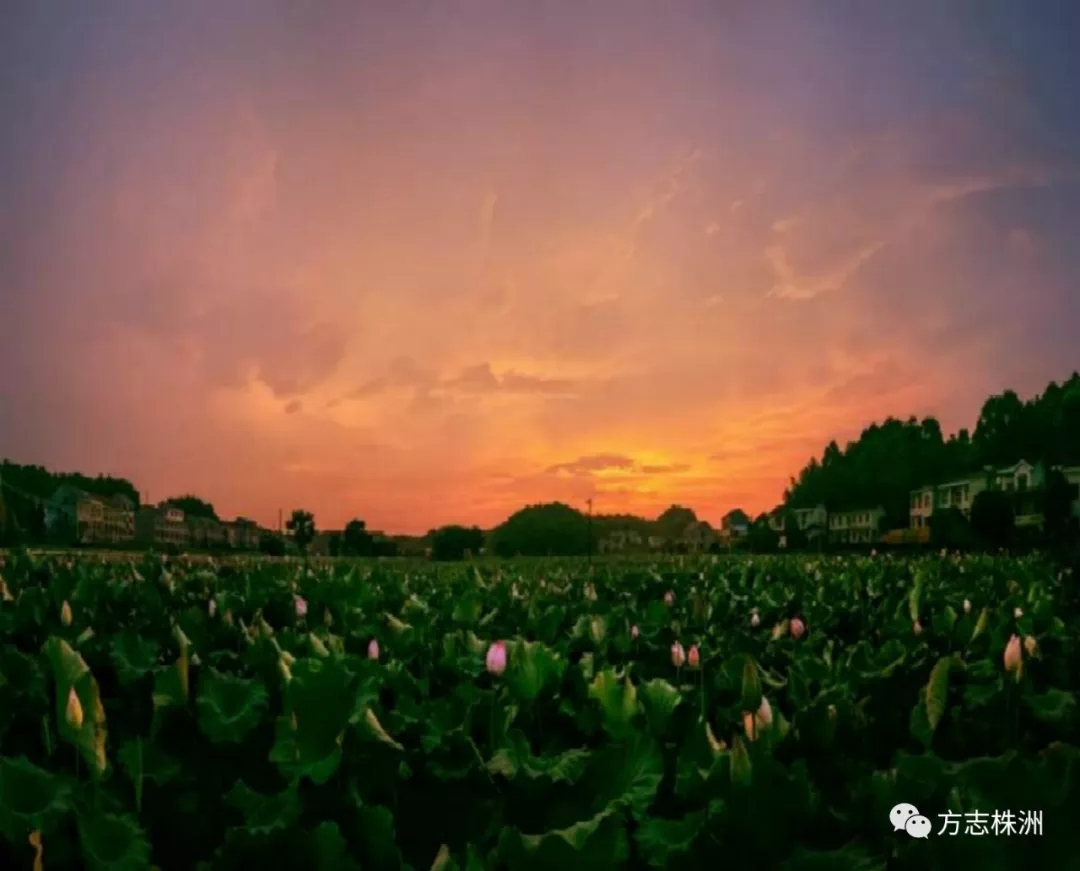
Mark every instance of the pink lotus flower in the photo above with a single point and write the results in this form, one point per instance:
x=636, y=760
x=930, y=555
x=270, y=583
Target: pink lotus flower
x=1013, y=655
x=798, y=628
x=754, y=723
x=496, y=658
x=693, y=658
x=301, y=607
x=373, y=650
x=669, y=598
x=678, y=655
x=1031, y=646
x=634, y=632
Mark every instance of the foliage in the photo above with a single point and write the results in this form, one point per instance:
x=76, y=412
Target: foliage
x=193, y=506
x=302, y=526
x=271, y=545
x=554, y=529
x=251, y=733
x=892, y=458
x=355, y=539
x=456, y=542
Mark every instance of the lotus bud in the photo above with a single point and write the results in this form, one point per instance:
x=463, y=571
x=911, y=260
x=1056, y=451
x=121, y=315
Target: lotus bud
x=634, y=632
x=755, y=620
x=228, y=618
x=373, y=650
x=669, y=598
x=798, y=628
x=65, y=613
x=301, y=608
x=1031, y=646
x=967, y=606
x=5, y=593
x=211, y=608
x=283, y=667
x=678, y=655
x=1018, y=612
x=755, y=723
x=916, y=628
x=496, y=658
x=693, y=658
x=327, y=619
x=74, y=712
x=1013, y=656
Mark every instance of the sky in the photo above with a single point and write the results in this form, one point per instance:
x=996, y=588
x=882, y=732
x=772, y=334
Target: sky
x=428, y=262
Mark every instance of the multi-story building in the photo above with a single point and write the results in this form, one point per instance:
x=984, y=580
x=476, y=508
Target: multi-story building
x=698, y=536
x=162, y=526
x=90, y=519
x=1022, y=478
x=620, y=540
x=813, y=522
x=243, y=534
x=206, y=533
x=859, y=526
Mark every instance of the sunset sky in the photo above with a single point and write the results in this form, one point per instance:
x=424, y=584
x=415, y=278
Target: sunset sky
x=428, y=262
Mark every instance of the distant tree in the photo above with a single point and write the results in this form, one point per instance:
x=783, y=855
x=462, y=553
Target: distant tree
x=992, y=519
x=193, y=506
x=334, y=544
x=302, y=526
x=760, y=537
x=554, y=529
x=1057, y=499
x=456, y=542
x=674, y=521
x=271, y=545
x=356, y=541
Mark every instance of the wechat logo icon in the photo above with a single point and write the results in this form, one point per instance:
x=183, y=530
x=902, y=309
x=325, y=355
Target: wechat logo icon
x=906, y=818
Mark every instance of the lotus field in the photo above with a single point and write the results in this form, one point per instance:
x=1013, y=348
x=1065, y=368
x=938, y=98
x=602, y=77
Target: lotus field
x=674, y=713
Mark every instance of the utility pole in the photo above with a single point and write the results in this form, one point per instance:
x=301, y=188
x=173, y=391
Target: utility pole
x=280, y=522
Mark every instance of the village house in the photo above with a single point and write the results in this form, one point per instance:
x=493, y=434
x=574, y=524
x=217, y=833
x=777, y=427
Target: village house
x=90, y=519
x=860, y=526
x=1022, y=478
x=162, y=526
x=698, y=537
x=206, y=533
x=620, y=540
x=243, y=534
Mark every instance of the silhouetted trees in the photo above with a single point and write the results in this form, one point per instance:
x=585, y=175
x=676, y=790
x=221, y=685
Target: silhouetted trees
x=892, y=458
x=302, y=526
x=193, y=506
x=456, y=542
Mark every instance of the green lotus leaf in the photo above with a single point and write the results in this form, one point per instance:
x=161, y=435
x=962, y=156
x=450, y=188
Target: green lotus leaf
x=532, y=666
x=112, y=842
x=229, y=707
x=133, y=656
x=659, y=700
x=373, y=728
x=599, y=844
x=618, y=701
x=31, y=799
x=265, y=813
x=666, y=843
x=89, y=736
